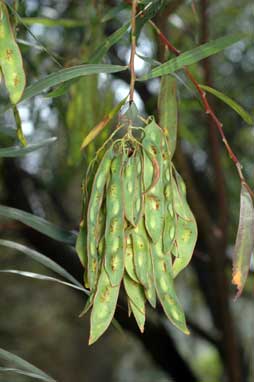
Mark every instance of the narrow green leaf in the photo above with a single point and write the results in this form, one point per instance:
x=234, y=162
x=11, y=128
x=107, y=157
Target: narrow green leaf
x=148, y=60
x=244, y=241
x=231, y=103
x=150, y=9
x=193, y=56
x=67, y=74
x=39, y=276
x=67, y=23
x=22, y=372
x=42, y=259
x=113, y=12
x=100, y=126
x=24, y=366
x=17, y=151
x=104, y=306
x=29, y=43
x=61, y=89
x=108, y=43
x=168, y=115
x=117, y=35
x=39, y=224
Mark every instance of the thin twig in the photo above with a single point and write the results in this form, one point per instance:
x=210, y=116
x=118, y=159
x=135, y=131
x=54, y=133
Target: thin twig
x=133, y=48
x=207, y=107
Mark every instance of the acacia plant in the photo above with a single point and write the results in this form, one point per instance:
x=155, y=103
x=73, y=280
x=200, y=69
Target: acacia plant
x=141, y=212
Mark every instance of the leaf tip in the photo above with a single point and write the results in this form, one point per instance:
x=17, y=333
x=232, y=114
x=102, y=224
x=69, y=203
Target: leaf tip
x=237, y=280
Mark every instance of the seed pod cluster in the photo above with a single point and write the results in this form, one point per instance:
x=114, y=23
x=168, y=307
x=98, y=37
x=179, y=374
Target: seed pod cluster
x=140, y=231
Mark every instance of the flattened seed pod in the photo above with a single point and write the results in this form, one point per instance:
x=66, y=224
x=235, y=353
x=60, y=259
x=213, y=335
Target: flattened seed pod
x=170, y=216
x=169, y=223
x=185, y=241
x=101, y=222
x=129, y=259
x=129, y=185
x=135, y=292
x=104, y=306
x=114, y=231
x=154, y=197
x=138, y=197
x=180, y=182
x=10, y=58
x=93, y=216
x=150, y=291
x=165, y=289
x=136, y=300
x=81, y=250
x=139, y=317
x=169, y=213
x=186, y=227
x=141, y=253
x=181, y=205
x=81, y=244
x=147, y=171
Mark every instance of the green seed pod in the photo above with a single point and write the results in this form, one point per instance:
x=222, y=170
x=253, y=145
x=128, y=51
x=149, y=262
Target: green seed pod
x=81, y=250
x=154, y=196
x=180, y=182
x=135, y=292
x=101, y=248
x=10, y=58
x=163, y=277
x=81, y=244
x=169, y=226
x=129, y=259
x=150, y=290
x=147, y=171
x=186, y=227
x=94, y=216
x=139, y=317
x=129, y=184
x=114, y=231
x=185, y=241
x=181, y=205
x=104, y=306
x=138, y=197
x=141, y=253
x=169, y=213
x=101, y=223
x=136, y=299
x=90, y=299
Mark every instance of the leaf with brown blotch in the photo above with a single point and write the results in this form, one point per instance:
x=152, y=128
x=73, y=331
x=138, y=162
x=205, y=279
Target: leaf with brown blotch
x=244, y=241
x=100, y=126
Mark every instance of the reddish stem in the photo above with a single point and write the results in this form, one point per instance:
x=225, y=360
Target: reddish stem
x=207, y=107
